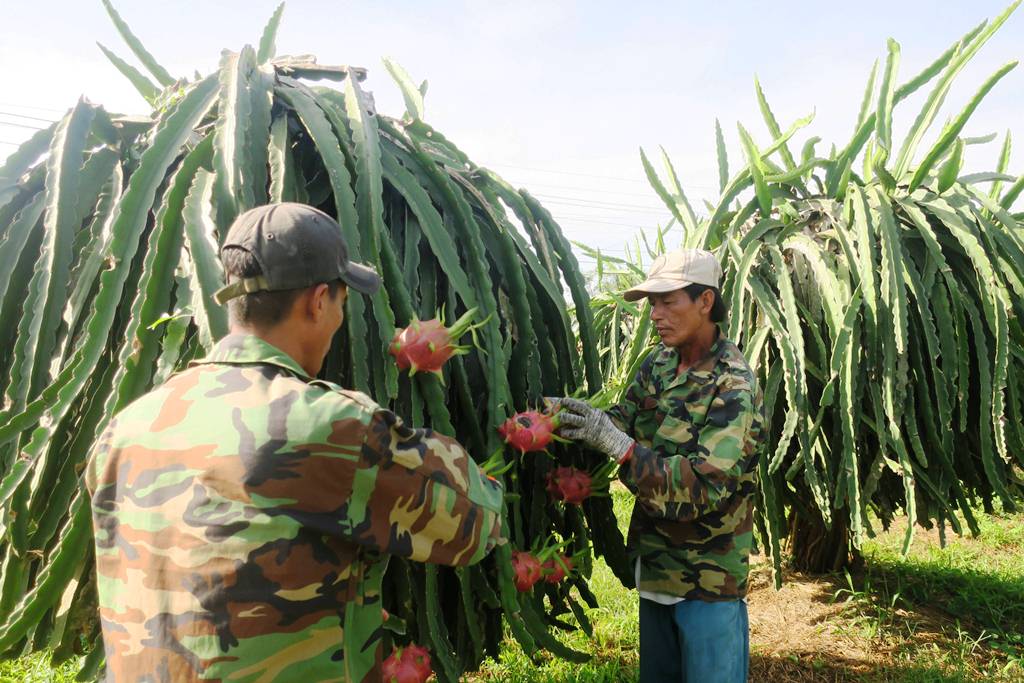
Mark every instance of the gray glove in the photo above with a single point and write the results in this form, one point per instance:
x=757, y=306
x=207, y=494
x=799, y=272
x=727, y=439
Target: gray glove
x=591, y=427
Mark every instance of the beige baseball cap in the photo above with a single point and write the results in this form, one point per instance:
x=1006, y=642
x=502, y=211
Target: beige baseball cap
x=678, y=269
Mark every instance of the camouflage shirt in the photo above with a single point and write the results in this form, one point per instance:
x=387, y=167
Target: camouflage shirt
x=698, y=436
x=244, y=514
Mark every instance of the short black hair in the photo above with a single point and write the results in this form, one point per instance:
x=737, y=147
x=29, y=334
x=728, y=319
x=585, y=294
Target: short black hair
x=262, y=309
x=718, y=311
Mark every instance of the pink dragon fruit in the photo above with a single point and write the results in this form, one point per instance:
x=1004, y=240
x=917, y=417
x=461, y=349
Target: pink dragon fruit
x=569, y=484
x=529, y=431
x=527, y=570
x=553, y=570
x=551, y=480
x=425, y=345
x=409, y=664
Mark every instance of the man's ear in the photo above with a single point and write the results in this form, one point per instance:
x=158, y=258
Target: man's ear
x=317, y=301
x=707, y=301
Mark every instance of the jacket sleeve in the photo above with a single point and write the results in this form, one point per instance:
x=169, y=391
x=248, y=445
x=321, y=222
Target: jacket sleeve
x=690, y=485
x=420, y=495
x=96, y=460
x=395, y=490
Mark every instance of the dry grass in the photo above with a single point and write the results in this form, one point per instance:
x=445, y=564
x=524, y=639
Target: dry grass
x=939, y=614
x=798, y=630
x=816, y=629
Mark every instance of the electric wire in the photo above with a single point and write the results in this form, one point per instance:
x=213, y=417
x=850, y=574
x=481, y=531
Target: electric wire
x=26, y=116
x=21, y=125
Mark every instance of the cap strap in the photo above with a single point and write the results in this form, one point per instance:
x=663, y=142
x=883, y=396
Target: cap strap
x=241, y=287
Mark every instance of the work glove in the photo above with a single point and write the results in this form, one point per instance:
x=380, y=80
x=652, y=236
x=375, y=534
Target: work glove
x=591, y=427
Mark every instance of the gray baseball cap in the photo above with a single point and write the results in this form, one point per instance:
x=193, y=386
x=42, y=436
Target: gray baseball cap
x=296, y=246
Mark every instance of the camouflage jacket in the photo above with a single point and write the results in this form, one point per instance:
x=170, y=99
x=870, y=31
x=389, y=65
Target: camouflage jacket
x=698, y=436
x=244, y=514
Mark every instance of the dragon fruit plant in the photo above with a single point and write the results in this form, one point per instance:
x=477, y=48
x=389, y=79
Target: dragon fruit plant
x=98, y=211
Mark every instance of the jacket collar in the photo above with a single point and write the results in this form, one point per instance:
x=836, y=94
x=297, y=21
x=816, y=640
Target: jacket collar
x=667, y=364
x=243, y=349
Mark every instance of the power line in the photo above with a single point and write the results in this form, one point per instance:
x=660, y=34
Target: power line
x=549, y=198
x=582, y=175
x=593, y=175
x=587, y=189
x=604, y=252
x=588, y=220
x=614, y=216
x=593, y=257
x=554, y=205
x=29, y=106
x=606, y=207
x=598, y=201
x=585, y=204
x=526, y=168
x=20, y=125
x=599, y=225
x=26, y=116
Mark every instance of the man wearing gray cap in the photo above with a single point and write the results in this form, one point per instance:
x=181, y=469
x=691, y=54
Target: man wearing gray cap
x=244, y=511
x=687, y=435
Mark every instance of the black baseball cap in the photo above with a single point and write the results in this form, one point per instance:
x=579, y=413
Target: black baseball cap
x=296, y=246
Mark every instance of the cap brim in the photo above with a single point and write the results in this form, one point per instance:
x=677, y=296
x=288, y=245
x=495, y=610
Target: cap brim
x=361, y=278
x=653, y=286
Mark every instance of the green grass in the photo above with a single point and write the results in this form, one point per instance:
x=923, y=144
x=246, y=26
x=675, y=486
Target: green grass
x=980, y=579
x=940, y=615
x=953, y=613
x=35, y=668
x=616, y=644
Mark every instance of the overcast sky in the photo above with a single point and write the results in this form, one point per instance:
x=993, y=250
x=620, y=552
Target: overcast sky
x=555, y=96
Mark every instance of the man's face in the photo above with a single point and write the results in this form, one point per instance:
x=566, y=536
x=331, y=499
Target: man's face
x=677, y=317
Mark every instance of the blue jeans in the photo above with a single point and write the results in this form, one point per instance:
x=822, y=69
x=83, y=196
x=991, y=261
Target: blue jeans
x=694, y=642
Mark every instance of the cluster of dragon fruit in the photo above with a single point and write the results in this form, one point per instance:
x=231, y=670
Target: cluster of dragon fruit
x=425, y=346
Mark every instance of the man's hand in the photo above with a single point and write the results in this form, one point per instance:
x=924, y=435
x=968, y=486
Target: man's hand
x=591, y=427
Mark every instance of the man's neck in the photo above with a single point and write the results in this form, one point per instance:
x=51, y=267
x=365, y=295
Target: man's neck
x=694, y=350
x=279, y=337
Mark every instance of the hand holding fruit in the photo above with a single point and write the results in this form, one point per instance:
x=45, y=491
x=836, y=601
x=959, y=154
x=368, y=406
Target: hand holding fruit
x=591, y=427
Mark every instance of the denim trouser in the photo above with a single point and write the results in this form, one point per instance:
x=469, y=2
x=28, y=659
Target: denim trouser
x=694, y=642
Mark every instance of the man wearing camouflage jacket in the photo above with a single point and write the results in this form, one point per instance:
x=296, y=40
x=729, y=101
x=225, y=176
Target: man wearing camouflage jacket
x=245, y=511
x=687, y=435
